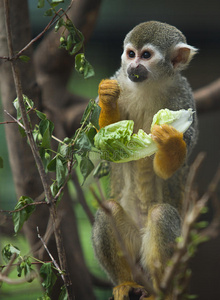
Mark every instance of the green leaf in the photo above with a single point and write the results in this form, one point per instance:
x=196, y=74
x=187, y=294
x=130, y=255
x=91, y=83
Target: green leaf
x=56, y=1
x=8, y=251
x=76, y=47
x=40, y=3
x=24, y=58
x=95, y=115
x=83, y=66
x=88, y=70
x=202, y=224
x=46, y=157
x=63, y=295
x=48, y=13
x=28, y=102
x=87, y=112
x=59, y=24
x=26, y=266
x=46, y=128
x=48, y=276
x=82, y=144
x=69, y=41
x=44, y=297
x=51, y=167
x=19, y=217
x=61, y=171
x=41, y=115
x=103, y=169
x=91, y=134
x=1, y=162
x=86, y=167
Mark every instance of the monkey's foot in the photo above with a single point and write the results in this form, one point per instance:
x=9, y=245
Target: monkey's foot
x=171, y=150
x=130, y=291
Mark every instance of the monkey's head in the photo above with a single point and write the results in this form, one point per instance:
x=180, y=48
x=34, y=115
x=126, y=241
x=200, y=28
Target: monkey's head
x=154, y=50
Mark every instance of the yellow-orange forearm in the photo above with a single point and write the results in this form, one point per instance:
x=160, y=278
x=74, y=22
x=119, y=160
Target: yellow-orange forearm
x=171, y=150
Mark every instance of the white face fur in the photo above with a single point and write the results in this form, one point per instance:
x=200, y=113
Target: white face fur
x=149, y=63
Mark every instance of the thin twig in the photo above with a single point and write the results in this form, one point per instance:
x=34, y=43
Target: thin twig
x=51, y=256
x=49, y=25
x=8, y=267
x=23, y=207
x=191, y=217
x=8, y=280
x=15, y=120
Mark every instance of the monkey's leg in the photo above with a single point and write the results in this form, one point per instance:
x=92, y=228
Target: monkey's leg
x=108, y=251
x=171, y=150
x=109, y=92
x=163, y=227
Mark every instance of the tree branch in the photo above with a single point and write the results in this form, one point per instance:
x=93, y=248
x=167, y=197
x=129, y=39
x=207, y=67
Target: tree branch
x=44, y=178
x=208, y=97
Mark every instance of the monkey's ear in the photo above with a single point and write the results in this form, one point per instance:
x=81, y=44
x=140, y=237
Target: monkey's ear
x=181, y=55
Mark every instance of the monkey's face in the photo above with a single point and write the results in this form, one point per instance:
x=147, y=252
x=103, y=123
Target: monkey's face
x=141, y=64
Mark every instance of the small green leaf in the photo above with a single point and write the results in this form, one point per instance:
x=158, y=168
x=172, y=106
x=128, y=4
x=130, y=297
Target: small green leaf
x=91, y=134
x=26, y=266
x=48, y=276
x=8, y=251
x=24, y=58
x=19, y=217
x=61, y=171
x=86, y=167
x=41, y=115
x=59, y=24
x=102, y=169
x=48, y=13
x=95, y=115
x=69, y=41
x=44, y=297
x=87, y=112
x=63, y=295
x=82, y=144
x=191, y=297
x=76, y=48
x=46, y=128
x=202, y=224
x=21, y=130
x=57, y=1
x=40, y=3
x=51, y=167
x=83, y=66
x=88, y=71
x=1, y=163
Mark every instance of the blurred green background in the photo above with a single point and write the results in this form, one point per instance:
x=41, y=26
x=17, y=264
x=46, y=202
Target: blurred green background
x=200, y=22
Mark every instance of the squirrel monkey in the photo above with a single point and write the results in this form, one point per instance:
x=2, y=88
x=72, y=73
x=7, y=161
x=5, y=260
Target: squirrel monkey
x=147, y=194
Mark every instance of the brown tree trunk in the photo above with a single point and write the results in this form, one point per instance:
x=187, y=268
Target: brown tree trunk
x=52, y=68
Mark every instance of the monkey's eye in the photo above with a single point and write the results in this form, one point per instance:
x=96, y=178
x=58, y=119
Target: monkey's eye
x=131, y=54
x=146, y=54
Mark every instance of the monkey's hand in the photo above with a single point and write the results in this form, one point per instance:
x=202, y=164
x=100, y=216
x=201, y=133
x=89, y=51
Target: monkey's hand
x=109, y=92
x=126, y=290
x=171, y=150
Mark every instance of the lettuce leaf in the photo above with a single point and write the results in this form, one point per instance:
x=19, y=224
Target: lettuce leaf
x=118, y=143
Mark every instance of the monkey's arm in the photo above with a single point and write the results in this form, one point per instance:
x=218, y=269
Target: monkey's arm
x=109, y=92
x=171, y=150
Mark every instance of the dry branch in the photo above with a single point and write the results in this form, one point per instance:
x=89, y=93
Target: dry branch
x=208, y=97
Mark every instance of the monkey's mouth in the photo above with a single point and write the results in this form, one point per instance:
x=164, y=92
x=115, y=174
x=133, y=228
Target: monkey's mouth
x=137, y=74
